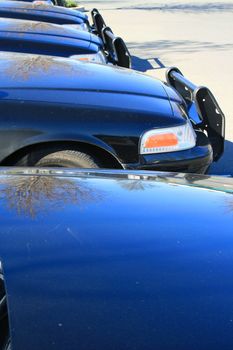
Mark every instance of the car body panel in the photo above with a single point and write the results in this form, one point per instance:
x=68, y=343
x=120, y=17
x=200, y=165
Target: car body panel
x=71, y=74
x=46, y=38
x=96, y=104
x=46, y=2
x=35, y=27
x=96, y=260
x=92, y=93
x=43, y=10
x=32, y=1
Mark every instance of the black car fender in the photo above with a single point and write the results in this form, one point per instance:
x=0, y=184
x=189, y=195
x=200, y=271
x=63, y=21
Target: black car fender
x=32, y=142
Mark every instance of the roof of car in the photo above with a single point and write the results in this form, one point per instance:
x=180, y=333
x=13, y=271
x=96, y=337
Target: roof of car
x=97, y=260
x=42, y=12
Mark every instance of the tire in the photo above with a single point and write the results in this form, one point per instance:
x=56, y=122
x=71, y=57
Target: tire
x=59, y=158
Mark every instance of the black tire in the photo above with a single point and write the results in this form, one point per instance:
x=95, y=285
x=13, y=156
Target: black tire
x=59, y=158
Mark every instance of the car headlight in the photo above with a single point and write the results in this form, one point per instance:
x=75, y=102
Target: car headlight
x=81, y=26
x=93, y=58
x=42, y=2
x=172, y=139
x=84, y=27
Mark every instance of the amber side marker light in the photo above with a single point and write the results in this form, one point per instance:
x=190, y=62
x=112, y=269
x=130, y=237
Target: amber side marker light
x=172, y=139
x=164, y=140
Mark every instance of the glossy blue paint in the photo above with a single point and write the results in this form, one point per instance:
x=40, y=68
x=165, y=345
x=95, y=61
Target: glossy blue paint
x=103, y=106
x=76, y=75
x=125, y=261
x=42, y=10
x=46, y=39
x=25, y=27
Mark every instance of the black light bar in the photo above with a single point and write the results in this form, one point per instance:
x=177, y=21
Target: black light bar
x=211, y=115
x=115, y=46
x=117, y=49
x=98, y=22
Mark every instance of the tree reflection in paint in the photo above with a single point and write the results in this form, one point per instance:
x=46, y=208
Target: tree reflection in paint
x=135, y=183
x=31, y=195
x=29, y=66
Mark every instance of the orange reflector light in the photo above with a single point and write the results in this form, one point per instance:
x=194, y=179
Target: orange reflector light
x=83, y=59
x=163, y=140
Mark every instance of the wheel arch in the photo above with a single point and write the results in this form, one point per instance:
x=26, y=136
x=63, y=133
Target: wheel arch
x=108, y=158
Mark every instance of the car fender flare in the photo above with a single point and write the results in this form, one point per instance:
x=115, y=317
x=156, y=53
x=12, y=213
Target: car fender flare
x=66, y=138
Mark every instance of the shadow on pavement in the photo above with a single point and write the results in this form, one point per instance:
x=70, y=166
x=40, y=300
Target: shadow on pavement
x=225, y=165
x=184, y=7
x=145, y=64
x=175, y=46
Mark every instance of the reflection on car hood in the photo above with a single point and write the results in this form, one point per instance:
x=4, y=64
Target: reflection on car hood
x=23, y=70
x=212, y=183
x=78, y=247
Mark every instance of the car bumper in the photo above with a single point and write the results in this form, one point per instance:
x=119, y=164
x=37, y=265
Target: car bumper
x=194, y=160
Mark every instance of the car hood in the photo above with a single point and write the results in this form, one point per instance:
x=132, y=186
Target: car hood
x=72, y=74
x=23, y=28
x=85, y=85
x=40, y=13
x=152, y=249
x=40, y=8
